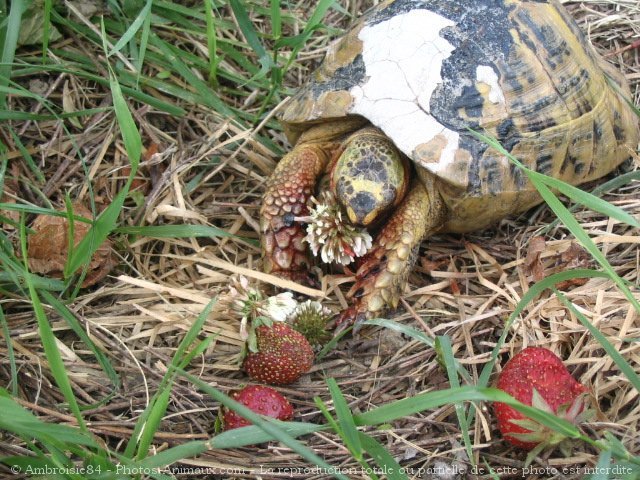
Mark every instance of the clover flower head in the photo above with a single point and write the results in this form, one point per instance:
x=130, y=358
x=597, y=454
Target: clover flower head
x=333, y=237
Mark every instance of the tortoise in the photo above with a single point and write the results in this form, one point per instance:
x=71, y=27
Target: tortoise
x=397, y=96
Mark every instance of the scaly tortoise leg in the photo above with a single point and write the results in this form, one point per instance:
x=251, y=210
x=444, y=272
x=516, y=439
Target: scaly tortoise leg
x=383, y=272
x=287, y=192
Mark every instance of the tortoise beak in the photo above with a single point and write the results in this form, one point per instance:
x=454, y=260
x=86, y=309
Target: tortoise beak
x=361, y=221
x=363, y=209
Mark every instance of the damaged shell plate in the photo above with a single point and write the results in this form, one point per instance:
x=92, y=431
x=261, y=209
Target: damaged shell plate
x=425, y=72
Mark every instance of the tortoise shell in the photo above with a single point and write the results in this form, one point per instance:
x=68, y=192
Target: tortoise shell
x=427, y=71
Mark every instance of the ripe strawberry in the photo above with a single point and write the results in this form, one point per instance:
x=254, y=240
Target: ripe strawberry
x=537, y=377
x=282, y=356
x=260, y=399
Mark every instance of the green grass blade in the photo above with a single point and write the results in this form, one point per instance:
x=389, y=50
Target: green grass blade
x=318, y=14
x=30, y=209
x=251, y=35
x=587, y=199
x=270, y=427
x=199, y=349
x=403, y=329
x=9, y=44
x=14, y=273
x=128, y=129
x=174, y=454
x=177, y=231
x=15, y=115
x=541, y=183
x=21, y=422
x=324, y=410
x=4, y=161
x=33, y=464
x=191, y=336
x=28, y=159
x=296, y=43
x=157, y=409
x=605, y=187
x=429, y=400
x=46, y=28
x=11, y=272
x=52, y=353
x=618, y=450
x=613, y=84
x=578, y=232
x=20, y=92
x=130, y=91
x=535, y=290
x=613, y=353
x=444, y=345
x=580, y=196
x=603, y=467
x=251, y=435
x=348, y=428
x=417, y=335
x=10, y=353
x=385, y=461
x=206, y=95
x=73, y=323
x=238, y=437
x=144, y=42
x=212, y=42
x=331, y=344
x=276, y=19
x=491, y=471
x=133, y=28
x=148, y=422
x=107, y=220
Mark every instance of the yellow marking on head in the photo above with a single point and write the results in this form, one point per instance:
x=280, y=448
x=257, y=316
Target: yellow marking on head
x=369, y=177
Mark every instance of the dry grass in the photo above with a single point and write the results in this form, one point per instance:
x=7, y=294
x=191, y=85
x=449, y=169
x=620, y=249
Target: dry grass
x=209, y=170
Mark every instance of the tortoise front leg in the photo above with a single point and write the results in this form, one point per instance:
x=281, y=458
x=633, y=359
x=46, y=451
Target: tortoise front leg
x=383, y=273
x=287, y=193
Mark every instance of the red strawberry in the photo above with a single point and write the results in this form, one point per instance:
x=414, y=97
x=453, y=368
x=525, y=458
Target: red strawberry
x=283, y=355
x=260, y=399
x=537, y=377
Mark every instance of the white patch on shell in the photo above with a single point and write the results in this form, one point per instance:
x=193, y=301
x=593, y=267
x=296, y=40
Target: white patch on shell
x=403, y=58
x=488, y=75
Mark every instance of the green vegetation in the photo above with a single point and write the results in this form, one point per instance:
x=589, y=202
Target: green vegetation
x=196, y=63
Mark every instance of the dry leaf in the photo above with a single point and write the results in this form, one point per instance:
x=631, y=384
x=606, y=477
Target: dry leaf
x=573, y=258
x=48, y=247
x=31, y=31
x=533, y=263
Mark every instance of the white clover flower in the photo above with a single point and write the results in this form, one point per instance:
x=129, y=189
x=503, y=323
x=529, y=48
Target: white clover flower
x=311, y=307
x=253, y=307
x=279, y=307
x=327, y=233
x=310, y=318
x=244, y=329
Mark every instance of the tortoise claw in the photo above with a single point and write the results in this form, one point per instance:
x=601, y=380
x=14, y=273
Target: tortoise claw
x=353, y=316
x=382, y=273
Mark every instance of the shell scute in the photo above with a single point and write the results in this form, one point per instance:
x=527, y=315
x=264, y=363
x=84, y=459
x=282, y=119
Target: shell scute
x=425, y=71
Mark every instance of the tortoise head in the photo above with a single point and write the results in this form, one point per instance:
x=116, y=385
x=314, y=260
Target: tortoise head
x=370, y=177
